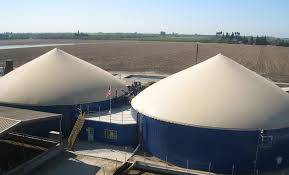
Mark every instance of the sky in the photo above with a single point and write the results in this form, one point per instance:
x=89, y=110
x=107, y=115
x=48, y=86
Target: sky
x=249, y=17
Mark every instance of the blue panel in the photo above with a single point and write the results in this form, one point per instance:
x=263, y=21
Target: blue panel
x=180, y=144
x=126, y=134
x=267, y=156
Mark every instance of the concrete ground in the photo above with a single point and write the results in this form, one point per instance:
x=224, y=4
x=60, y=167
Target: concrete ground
x=87, y=158
x=101, y=159
x=68, y=163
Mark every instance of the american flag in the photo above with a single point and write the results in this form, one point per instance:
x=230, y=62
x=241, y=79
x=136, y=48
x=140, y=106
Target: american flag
x=108, y=93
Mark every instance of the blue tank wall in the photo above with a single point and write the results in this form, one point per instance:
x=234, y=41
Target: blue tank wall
x=69, y=112
x=179, y=144
x=126, y=133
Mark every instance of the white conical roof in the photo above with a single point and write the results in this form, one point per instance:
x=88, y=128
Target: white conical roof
x=217, y=93
x=57, y=78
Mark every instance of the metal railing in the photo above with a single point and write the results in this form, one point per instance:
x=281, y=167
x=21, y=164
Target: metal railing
x=120, y=117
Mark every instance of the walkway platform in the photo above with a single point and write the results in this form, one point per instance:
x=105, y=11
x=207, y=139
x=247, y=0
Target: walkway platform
x=121, y=115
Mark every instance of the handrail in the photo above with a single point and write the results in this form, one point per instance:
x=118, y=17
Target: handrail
x=75, y=131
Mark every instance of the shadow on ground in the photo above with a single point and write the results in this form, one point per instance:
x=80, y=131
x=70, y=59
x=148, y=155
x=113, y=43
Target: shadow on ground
x=66, y=163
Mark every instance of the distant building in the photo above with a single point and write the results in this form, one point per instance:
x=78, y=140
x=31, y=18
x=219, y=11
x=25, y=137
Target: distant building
x=162, y=33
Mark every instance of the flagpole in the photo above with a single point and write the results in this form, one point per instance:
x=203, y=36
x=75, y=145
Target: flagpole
x=110, y=103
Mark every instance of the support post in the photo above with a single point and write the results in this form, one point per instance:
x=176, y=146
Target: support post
x=99, y=112
x=125, y=157
x=166, y=162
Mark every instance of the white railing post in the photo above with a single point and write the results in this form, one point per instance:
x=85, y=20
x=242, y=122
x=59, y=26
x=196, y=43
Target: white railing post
x=144, y=157
x=166, y=162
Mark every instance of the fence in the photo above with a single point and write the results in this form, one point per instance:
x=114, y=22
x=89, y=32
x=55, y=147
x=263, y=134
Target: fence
x=195, y=167
x=119, y=116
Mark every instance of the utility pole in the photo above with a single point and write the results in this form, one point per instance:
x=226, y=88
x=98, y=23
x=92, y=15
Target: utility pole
x=197, y=52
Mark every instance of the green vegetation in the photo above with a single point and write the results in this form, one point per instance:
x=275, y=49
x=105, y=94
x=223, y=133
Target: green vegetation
x=236, y=38
x=220, y=37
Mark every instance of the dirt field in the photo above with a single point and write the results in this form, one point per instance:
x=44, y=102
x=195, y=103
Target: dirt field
x=160, y=57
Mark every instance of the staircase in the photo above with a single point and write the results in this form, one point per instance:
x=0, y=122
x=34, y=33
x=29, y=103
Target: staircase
x=75, y=131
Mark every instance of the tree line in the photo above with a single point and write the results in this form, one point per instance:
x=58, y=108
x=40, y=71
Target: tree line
x=237, y=38
x=220, y=37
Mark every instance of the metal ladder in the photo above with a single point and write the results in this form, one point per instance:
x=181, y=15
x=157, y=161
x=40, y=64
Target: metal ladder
x=75, y=131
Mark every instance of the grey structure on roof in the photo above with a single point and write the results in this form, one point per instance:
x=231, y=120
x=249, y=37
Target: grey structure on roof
x=7, y=124
x=25, y=115
x=11, y=118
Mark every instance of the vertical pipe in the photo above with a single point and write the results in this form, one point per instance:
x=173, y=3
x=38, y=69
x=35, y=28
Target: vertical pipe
x=110, y=107
x=256, y=156
x=8, y=66
x=110, y=102
x=210, y=164
x=22, y=140
x=60, y=132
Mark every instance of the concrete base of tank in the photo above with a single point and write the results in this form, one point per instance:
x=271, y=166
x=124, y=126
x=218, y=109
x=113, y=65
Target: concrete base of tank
x=148, y=164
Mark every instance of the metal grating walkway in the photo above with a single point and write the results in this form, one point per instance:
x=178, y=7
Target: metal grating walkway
x=6, y=124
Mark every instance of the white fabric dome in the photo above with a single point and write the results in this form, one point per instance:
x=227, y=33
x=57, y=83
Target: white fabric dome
x=217, y=93
x=58, y=78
